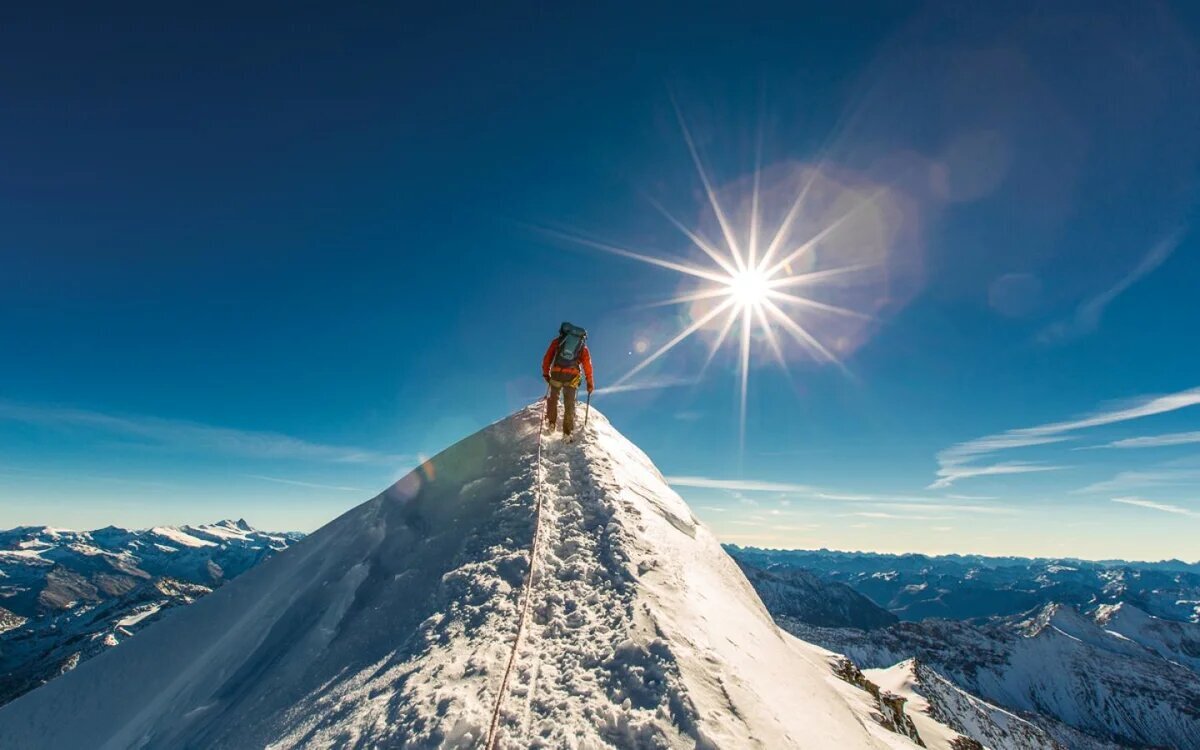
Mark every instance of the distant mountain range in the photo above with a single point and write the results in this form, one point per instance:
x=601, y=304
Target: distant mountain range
x=66, y=596
x=802, y=596
x=958, y=587
x=1008, y=653
x=1096, y=673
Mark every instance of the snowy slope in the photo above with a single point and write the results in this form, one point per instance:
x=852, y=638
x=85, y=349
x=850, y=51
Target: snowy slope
x=1054, y=664
x=1175, y=641
x=43, y=648
x=943, y=712
x=392, y=625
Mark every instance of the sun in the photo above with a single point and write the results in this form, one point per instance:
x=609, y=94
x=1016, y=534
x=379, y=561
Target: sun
x=750, y=289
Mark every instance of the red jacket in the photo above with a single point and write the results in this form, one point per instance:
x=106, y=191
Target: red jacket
x=570, y=373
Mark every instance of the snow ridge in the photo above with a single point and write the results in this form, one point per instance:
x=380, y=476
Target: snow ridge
x=392, y=627
x=526, y=588
x=625, y=685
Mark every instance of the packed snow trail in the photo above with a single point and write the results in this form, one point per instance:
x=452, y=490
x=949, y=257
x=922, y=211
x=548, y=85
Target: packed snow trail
x=393, y=625
x=583, y=594
x=539, y=491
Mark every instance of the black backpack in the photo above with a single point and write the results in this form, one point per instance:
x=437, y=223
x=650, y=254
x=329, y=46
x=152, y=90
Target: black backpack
x=570, y=344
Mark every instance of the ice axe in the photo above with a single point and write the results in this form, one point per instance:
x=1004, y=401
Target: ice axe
x=587, y=410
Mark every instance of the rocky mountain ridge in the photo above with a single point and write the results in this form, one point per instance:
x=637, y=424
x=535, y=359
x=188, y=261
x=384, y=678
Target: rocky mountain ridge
x=1059, y=669
x=958, y=587
x=71, y=595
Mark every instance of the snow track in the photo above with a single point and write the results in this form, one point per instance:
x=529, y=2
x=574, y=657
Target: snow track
x=539, y=491
x=583, y=594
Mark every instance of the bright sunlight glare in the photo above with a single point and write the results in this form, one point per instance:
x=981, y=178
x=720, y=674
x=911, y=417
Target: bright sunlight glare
x=749, y=287
x=753, y=290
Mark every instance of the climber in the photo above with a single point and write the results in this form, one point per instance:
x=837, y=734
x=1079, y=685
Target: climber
x=565, y=357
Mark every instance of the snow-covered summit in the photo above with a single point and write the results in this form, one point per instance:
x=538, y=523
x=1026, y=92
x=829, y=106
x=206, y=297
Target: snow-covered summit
x=394, y=624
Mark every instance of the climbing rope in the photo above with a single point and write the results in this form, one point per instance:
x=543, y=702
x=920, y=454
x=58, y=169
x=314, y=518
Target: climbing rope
x=526, y=587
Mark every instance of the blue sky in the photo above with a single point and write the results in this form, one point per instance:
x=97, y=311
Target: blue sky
x=259, y=265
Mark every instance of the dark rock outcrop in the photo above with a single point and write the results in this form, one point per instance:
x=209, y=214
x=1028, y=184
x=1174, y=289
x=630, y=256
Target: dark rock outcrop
x=890, y=707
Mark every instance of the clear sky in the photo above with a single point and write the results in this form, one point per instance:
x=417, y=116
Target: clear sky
x=255, y=264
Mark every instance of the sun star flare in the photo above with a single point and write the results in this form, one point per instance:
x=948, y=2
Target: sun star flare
x=746, y=286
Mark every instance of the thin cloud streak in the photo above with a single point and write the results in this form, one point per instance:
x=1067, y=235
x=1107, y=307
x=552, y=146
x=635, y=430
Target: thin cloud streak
x=1153, y=505
x=863, y=497
x=1087, y=316
x=737, y=485
x=310, y=485
x=956, y=462
x=1155, y=441
x=882, y=501
x=948, y=475
x=647, y=385
x=893, y=516
x=196, y=437
x=950, y=508
x=1144, y=406
x=1135, y=480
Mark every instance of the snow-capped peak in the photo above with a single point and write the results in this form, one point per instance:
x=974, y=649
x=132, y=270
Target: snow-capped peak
x=1060, y=618
x=394, y=624
x=1175, y=641
x=238, y=525
x=944, y=713
x=1120, y=612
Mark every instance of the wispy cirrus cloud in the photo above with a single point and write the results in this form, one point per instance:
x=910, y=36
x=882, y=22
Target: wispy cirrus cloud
x=646, y=385
x=963, y=461
x=951, y=508
x=863, y=497
x=936, y=504
x=873, y=504
x=1087, y=316
x=1136, y=408
x=1126, y=481
x=737, y=485
x=948, y=474
x=196, y=437
x=309, y=485
x=1155, y=505
x=1154, y=441
x=884, y=515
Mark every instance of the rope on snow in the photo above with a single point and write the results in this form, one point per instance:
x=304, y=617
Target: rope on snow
x=526, y=586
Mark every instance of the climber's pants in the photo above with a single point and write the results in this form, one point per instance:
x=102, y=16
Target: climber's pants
x=568, y=397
